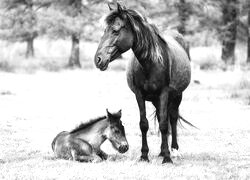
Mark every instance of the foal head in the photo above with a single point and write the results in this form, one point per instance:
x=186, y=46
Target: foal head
x=115, y=132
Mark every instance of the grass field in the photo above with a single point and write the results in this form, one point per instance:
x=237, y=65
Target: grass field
x=35, y=107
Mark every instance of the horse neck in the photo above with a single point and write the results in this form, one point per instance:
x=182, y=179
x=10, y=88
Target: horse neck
x=94, y=134
x=147, y=46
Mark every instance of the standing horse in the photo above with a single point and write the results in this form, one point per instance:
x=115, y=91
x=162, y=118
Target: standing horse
x=83, y=142
x=159, y=72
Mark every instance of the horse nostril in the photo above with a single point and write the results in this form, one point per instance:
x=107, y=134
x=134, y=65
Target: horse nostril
x=125, y=148
x=98, y=60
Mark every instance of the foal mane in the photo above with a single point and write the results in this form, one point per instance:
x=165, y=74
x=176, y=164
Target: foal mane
x=147, y=35
x=85, y=125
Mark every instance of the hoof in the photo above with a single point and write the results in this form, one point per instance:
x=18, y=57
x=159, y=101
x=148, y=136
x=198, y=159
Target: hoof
x=175, y=153
x=144, y=159
x=161, y=154
x=104, y=157
x=167, y=160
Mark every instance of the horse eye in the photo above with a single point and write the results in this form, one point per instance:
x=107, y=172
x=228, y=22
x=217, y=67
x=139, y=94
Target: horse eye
x=117, y=131
x=115, y=32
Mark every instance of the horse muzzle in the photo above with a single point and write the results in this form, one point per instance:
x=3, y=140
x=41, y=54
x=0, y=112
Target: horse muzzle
x=100, y=63
x=123, y=148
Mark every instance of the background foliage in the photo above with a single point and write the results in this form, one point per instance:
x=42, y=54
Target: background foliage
x=208, y=23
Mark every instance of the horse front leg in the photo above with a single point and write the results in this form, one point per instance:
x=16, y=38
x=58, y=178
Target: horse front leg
x=143, y=126
x=163, y=125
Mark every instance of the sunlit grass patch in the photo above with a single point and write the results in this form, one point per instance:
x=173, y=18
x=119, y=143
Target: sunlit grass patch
x=5, y=66
x=207, y=58
x=241, y=90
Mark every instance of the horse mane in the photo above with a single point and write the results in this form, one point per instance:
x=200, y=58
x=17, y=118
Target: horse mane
x=147, y=35
x=87, y=124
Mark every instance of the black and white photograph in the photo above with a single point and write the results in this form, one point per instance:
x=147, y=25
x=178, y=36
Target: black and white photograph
x=124, y=89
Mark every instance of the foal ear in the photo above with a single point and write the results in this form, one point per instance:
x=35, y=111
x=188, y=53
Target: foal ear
x=119, y=113
x=112, y=6
x=108, y=113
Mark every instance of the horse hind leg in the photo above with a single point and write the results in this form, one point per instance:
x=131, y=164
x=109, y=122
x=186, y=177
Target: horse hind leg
x=164, y=124
x=156, y=105
x=174, y=115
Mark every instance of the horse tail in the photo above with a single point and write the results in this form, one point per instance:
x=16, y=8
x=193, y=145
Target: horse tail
x=187, y=49
x=155, y=119
x=54, y=140
x=179, y=117
x=187, y=122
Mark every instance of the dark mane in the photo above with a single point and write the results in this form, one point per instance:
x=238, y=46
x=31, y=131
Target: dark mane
x=85, y=125
x=147, y=35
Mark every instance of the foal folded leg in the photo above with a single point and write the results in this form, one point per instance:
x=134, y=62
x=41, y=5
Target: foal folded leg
x=81, y=158
x=102, y=154
x=81, y=150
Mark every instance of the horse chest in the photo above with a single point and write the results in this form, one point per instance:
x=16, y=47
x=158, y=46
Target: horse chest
x=150, y=87
x=149, y=81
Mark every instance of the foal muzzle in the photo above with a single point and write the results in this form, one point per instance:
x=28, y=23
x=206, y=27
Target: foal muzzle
x=123, y=148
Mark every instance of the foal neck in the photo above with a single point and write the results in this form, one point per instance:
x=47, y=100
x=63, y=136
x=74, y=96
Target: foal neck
x=95, y=134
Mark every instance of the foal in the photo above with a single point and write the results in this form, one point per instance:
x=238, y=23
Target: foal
x=83, y=142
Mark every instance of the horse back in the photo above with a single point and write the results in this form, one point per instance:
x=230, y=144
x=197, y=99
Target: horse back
x=180, y=39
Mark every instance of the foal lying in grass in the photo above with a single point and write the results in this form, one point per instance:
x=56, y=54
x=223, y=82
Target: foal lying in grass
x=83, y=142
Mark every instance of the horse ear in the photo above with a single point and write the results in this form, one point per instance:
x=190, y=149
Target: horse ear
x=112, y=6
x=108, y=113
x=119, y=7
x=119, y=113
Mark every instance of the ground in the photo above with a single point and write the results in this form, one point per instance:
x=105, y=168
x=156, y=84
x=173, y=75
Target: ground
x=35, y=107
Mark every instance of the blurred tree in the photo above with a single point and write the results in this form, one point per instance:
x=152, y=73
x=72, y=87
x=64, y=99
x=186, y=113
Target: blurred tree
x=183, y=15
x=19, y=22
x=72, y=18
x=248, y=32
x=229, y=10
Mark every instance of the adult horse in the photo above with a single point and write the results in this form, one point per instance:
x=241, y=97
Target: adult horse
x=159, y=72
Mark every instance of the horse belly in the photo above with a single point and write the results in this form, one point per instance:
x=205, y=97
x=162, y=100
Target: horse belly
x=180, y=68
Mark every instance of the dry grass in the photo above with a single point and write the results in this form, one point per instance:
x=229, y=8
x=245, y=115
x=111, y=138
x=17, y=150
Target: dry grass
x=209, y=58
x=38, y=106
x=241, y=90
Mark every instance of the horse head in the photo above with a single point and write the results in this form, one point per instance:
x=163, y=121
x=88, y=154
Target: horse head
x=115, y=132
x=117, y=38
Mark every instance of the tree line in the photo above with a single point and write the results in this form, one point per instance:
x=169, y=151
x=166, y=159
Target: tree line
x=25, y=20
